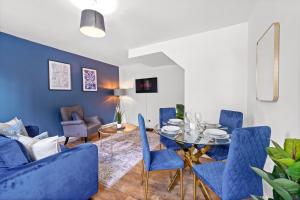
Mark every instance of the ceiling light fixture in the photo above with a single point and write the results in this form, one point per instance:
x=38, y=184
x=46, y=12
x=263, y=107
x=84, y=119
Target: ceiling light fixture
x=92, y=23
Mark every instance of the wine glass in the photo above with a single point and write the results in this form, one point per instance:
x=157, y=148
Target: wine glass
x=198, y=119
x=188, y=120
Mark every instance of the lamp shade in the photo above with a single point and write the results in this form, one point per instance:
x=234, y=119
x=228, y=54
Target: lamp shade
x=120, y=92
x=92, y=23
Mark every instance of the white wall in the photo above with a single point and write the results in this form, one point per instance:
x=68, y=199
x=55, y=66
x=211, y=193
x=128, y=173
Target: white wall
x=283, y=116
x=170, y=91
x=215, y=64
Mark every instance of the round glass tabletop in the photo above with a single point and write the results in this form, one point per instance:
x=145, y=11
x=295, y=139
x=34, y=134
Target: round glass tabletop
x=193, y=136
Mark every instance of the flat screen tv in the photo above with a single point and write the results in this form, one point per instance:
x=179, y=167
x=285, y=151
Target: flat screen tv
x=146, y=85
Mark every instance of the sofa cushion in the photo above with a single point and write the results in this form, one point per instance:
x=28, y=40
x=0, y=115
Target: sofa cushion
x=75, y=116
x=11, y=154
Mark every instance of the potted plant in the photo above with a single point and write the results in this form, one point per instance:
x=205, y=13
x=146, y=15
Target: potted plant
x=119, y=116
x=285, y=178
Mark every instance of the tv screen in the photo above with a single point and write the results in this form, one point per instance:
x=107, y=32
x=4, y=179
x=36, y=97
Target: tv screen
x=146, y=85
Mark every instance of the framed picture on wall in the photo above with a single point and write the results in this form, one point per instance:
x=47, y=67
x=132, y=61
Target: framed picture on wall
x=89, y=80
x=59, y=75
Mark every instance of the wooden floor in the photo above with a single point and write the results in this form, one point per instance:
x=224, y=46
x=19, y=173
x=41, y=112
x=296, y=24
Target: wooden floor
x=129, y=186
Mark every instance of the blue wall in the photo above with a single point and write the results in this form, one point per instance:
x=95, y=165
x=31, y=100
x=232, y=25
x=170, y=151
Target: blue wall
x=24, y=85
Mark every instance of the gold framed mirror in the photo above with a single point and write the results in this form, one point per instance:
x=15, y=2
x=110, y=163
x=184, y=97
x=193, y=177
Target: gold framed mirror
x=267, y=65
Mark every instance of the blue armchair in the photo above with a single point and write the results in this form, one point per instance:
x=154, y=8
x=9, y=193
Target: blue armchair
x=235, y=179
x=70, y=174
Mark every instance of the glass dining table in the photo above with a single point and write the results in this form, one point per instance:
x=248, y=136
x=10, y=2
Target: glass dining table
x=194, y=143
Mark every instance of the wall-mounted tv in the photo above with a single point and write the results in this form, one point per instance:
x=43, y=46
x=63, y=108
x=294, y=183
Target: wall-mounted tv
x=146, y=85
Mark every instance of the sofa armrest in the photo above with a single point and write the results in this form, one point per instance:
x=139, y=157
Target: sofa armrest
x=94, y=120
x=71, y=174
x=71, y=123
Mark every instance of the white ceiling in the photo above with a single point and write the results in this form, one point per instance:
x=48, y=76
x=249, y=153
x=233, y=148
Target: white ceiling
x=133, y=24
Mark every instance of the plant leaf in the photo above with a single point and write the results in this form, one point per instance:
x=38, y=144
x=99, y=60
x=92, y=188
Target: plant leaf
x=265, y=175
x=278, y=172
x=256, y=198
x=286, y=161
x=292, y=146
x=290, y=186
x=281, y=191
x=276, y=154
x=294, y=170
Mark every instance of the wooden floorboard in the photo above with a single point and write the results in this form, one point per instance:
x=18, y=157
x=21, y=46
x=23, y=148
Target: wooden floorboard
x=129, y=186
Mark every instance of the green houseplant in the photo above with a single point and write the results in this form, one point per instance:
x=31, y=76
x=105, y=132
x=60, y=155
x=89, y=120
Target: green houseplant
x=285, y=178
x=118, y=116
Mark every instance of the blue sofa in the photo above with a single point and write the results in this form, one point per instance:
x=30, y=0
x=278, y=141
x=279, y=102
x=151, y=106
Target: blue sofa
x=70, y=174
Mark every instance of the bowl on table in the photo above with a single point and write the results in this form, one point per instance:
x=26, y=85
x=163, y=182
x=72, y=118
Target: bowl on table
x=172, y=130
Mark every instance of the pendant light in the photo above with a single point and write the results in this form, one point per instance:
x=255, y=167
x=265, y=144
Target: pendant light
x=92, y=23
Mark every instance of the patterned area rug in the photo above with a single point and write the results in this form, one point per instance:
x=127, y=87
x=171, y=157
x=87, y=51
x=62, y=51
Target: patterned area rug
x=119, y=153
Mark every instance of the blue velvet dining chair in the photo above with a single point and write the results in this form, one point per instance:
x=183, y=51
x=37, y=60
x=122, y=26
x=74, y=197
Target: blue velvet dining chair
x=235, y=179
x=164, y=115
x=230, y=120
x=159, y=160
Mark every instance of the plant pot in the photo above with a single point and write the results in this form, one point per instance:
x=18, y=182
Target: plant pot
x=119, y=126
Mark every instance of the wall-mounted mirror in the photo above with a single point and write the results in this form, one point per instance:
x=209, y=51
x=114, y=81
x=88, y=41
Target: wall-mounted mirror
x=267, y=65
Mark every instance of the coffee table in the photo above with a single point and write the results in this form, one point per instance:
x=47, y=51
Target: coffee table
x=126, y=128
x=111, y=130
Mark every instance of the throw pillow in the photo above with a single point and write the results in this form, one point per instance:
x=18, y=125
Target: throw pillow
x=13, y=128
x=75, y=116
x=39, y=149
x=41, y=136
x=45, y=147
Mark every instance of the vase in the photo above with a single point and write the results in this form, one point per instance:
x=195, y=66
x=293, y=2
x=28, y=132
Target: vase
x=119, y=126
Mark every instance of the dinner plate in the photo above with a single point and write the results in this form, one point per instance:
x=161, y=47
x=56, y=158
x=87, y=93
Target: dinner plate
x=170, y=129
x=216, y=133
x=214, y=125
x=175, y=121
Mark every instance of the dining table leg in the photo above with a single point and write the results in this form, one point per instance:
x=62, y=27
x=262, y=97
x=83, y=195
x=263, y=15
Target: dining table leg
x=189, y=159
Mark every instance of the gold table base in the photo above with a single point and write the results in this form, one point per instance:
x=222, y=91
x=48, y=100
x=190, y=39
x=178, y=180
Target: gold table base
x=190, y=158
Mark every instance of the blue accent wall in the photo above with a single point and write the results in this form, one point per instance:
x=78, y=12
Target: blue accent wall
x=24, y=87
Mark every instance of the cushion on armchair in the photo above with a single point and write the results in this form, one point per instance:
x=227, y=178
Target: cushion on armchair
x=75, y=116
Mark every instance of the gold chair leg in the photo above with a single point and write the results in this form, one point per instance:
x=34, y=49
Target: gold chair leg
x=181, y=184
x=146, y=184
x=195, y=187
x=204, y=190
x=160, y=146
x=142, y=174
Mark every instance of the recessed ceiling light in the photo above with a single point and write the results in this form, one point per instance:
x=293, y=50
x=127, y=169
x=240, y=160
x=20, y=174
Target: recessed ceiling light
x=105, y=7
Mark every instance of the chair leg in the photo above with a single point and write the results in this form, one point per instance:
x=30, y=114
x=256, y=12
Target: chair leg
x=181, y=184
x=204, y=191
x=142, y=174
x=160, y=146
x=146, y=184
x=85, y=139
x=66, y=141
x=195, y=187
